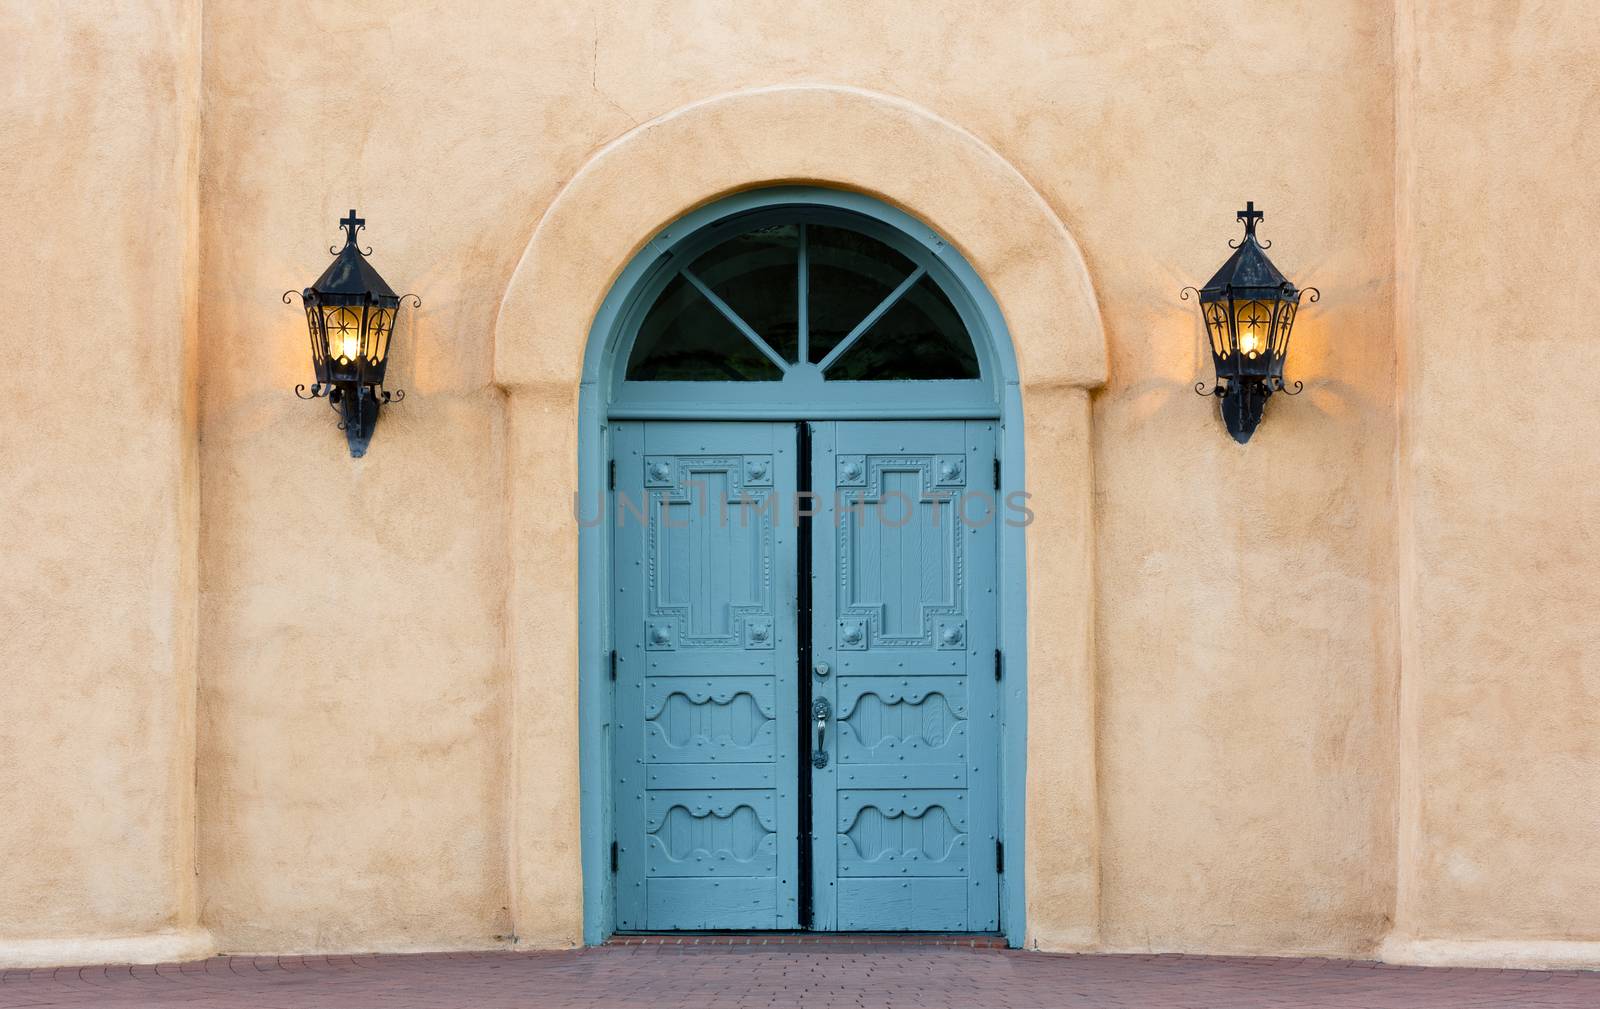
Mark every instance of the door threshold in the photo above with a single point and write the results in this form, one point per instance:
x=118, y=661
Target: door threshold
x=972, y=940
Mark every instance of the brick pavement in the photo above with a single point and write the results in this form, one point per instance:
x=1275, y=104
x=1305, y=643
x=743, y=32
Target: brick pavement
x=859, y=974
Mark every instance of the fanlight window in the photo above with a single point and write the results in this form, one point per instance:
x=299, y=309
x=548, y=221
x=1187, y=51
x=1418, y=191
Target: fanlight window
x=788, y=295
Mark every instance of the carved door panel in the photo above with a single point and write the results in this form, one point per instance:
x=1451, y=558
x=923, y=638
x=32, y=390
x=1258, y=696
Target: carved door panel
x=905, y=810
x=706, y=739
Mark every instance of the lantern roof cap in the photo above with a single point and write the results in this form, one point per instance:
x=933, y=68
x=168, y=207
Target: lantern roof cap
x=1249, y=265
x=350, y=273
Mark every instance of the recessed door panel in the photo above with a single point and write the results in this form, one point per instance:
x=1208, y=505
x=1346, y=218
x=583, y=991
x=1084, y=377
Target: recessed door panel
x=910, y=720
x=706, y=740
x=727, y=719
x=905, y=808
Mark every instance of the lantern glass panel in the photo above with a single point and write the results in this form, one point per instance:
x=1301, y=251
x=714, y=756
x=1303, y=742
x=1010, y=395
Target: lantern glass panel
x=380, y=325
x=1253, y=318
x=1286, y=313
x=319, y=344
x=1216, y=318
x=342, y=326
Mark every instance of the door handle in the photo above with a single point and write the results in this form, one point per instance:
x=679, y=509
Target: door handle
x=821, y=711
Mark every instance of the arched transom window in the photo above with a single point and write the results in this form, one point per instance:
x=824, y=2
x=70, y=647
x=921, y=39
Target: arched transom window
x=827, y=302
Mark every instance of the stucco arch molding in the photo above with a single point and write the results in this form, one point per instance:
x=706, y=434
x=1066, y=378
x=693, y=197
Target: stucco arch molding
x=834, y=136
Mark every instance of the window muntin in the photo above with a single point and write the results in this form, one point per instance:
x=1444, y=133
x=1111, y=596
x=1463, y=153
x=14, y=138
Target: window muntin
x=684, y=338
x=920, y=338
x=734, y=313
x=757, y=275
x=851, y=274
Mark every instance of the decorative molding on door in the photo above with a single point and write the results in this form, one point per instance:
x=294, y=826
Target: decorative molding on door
x=865, y=622
x=709, y=488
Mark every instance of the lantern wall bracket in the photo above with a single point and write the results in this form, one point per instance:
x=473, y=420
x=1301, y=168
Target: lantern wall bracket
x=1275, y=385
x=1242, y=401
x=356, y=405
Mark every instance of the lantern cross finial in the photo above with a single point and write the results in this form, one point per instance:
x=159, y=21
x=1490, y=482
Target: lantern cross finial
x=351, y=225
x=1249, y=215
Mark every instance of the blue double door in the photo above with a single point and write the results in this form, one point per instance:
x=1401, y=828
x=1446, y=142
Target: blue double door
x=806, y=700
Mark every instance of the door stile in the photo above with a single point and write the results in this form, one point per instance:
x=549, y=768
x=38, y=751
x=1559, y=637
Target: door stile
x=627, y=627
x=824, y=649
x=803, y=657
x=982, y=529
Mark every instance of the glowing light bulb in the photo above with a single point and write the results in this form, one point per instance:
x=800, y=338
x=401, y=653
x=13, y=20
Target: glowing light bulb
x=1249, y=343
x=352, y=346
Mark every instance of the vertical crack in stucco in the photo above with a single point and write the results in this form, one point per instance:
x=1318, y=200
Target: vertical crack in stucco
x=507, y=664
x=1091, y=658
x=594, y=72
x=197, y=365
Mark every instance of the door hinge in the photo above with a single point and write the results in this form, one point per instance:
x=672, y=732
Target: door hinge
x=999, y=665
x=613, y=856
x=611, y=476
x=997, y=473
x=613, y=665
x=999, y=857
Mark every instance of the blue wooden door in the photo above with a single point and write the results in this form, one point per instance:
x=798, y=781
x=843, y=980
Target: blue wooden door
x=706, y=739
x=905, y=817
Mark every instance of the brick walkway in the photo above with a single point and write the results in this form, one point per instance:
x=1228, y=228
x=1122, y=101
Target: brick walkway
x=814, y=975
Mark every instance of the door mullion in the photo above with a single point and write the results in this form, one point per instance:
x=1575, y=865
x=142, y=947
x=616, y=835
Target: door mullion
x=824, y=780
x=803, y=650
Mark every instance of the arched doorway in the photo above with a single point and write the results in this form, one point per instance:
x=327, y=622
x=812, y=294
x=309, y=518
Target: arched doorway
x=801, y=409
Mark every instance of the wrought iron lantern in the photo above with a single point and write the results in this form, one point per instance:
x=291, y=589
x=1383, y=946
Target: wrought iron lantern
x=1248, y=308
x=350, y=313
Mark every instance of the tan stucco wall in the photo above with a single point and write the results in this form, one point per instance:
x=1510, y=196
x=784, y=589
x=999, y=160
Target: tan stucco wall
x=98, y=127
x=1274, y=685
x=474, y=150
x=1245, y=639
x=355, y=707
x=1501, y=676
